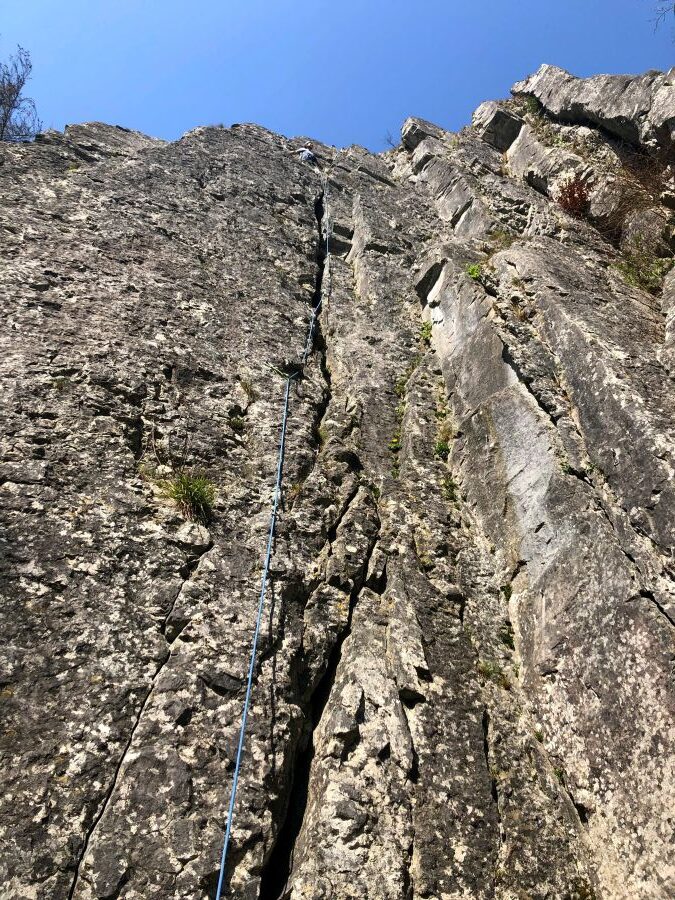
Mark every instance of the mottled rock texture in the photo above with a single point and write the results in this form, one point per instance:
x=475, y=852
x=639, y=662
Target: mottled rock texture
x=464, y=684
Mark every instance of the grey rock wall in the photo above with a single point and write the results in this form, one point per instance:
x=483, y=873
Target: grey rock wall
x=464, y=683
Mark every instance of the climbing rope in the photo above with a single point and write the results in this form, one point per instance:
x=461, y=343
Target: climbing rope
x=270, y=540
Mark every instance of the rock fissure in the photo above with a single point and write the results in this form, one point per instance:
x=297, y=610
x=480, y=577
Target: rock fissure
x=278, y=868
x=116, y=777
x=107, y=799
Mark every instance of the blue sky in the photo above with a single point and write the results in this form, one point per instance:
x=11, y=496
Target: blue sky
x=343, y=72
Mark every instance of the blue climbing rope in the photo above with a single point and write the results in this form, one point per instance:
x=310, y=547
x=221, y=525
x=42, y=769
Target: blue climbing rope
x=268, y=557
x=254, y=648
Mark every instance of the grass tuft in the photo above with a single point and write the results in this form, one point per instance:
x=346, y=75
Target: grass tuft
x=193, y=493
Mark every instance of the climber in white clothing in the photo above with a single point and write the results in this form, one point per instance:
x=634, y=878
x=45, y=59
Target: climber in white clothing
x=306, y=154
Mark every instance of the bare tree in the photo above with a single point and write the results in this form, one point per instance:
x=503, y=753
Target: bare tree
x=664, y=8
x=18, y=116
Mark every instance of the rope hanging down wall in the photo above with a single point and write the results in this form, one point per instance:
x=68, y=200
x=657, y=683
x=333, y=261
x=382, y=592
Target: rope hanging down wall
x=270, y=537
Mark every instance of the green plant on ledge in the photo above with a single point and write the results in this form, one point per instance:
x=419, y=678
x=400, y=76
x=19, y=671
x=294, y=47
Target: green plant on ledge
x=193, y=493
x=475, y=271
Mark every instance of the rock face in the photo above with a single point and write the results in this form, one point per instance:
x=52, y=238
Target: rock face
x=464, y=683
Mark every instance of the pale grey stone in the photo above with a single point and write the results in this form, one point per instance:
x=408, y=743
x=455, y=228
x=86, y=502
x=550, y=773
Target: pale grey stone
x=464, y=679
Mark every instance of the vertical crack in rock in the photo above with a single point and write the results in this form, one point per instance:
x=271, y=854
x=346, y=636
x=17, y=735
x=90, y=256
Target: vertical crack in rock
x=278, y=868
x=191, y=567
x=486, y=750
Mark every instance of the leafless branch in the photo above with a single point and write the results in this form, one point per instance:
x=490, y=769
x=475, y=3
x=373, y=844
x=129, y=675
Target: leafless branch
x=18, y=116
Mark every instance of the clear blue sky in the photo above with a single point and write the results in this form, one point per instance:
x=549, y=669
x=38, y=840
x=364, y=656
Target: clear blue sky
x=344, y=72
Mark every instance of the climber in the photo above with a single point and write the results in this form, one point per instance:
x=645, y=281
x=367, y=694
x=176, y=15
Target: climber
x=306, y=154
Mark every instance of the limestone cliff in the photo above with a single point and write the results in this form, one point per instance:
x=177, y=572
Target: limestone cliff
x=464, y=685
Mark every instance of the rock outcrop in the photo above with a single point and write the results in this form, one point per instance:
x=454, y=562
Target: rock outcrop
x=464, y=683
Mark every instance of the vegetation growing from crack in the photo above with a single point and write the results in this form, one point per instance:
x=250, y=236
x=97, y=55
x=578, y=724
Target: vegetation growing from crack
x=188, y=487
x=492, y=671
x=402, y=380
x=237, y=424
x=507, y=591
x=501, y=239
x=573, y=196
x=444, y=438
x=193, y=493
x=425, y=334
x=506, y=635
x=442, y=449
x=449, y=488
x=641, y=267
x=248, y=389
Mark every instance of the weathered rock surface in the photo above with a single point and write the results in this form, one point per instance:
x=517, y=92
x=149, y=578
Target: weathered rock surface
x=464, y=684
x=636, y=109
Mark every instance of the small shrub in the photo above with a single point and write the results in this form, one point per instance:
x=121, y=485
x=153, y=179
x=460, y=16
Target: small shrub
x=492, y=671
x=248, y=389
x=559, y=774
x=294, y=490
x=402, y=380
x=506, y=590
x=395, y=442
x=445, y=431
x=573, y=197
x=237, y=424
x=539, y=735
x=502, y=239
x=426, y=562
x=425, y=333
x=641, y=267
x=442, y=449
x=506, y=636
x=475, y=271
x=193, y=493
x=449, y=488
x=532, y=106
x=320, y=436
